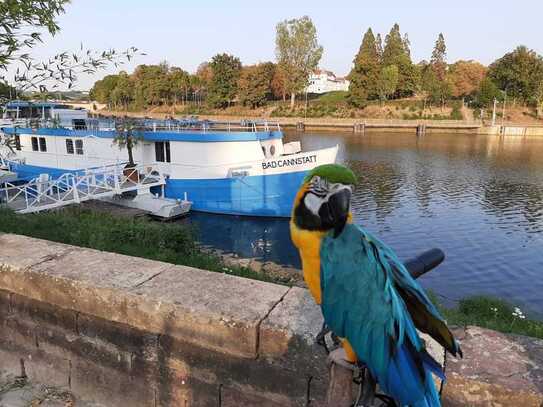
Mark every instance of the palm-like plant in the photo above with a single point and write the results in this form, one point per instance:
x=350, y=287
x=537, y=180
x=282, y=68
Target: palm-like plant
x=128, y=134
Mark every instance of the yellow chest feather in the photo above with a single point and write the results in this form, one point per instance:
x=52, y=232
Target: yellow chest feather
x=309, y=244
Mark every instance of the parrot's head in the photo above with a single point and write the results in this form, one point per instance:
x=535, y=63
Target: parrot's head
x=324, y=200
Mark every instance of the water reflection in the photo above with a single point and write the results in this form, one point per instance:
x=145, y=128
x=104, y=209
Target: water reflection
x=480, y=198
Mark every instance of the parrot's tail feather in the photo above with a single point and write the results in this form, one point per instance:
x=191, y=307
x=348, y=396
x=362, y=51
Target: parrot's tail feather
x=409, y=377
x=431, y=364
x=431, y=396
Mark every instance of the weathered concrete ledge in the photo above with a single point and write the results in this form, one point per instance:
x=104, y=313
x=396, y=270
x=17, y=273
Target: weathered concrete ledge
x=100, y=322
x=120, y=330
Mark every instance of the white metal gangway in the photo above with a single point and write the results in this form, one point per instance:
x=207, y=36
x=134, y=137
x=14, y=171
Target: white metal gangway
x=43, y=193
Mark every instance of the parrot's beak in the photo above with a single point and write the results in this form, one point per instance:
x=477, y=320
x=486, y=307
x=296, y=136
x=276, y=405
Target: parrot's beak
x=339, y=204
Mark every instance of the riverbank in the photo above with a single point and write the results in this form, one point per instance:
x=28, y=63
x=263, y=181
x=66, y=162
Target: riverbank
x=363, y=125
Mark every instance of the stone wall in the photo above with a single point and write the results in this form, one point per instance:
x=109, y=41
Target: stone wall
x=125, y=331
x=129, y=331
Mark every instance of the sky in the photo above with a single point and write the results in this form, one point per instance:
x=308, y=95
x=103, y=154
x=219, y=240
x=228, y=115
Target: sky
x=187, y=32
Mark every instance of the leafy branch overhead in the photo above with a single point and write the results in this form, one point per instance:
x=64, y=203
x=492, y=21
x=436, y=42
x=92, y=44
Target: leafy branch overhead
x=22, y=24
x=19, y=23
x=63, y=69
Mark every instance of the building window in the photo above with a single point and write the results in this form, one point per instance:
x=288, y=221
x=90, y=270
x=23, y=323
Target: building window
x=162, y=151
x=79, y=147
x=17, y=142
x=35, y=144
x=43, y=144
x=69, y=146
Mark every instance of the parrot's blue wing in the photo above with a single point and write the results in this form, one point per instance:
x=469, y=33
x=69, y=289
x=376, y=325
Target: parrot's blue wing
x=423, y=312
x=361, y=304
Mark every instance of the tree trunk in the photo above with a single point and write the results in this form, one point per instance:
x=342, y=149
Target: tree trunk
x=292, y=100
x=130, y=154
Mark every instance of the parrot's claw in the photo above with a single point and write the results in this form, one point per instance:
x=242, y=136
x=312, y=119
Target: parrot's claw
x=339, y=357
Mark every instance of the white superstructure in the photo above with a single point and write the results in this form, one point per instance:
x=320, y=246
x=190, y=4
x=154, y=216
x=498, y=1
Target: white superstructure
x=322, y=81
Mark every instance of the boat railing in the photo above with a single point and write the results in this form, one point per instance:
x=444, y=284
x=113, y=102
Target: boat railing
x=172, y=125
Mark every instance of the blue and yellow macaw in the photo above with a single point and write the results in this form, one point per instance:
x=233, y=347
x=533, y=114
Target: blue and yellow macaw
x=367, y=296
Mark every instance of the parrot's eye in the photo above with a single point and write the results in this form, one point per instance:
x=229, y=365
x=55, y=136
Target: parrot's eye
x=319, y=186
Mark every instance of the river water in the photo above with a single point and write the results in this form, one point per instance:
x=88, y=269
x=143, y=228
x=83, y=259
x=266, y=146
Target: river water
x=478, y=198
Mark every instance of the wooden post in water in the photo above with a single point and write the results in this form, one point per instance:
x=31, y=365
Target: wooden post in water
x=300, y=126
x=360, y=128
x=421, y=130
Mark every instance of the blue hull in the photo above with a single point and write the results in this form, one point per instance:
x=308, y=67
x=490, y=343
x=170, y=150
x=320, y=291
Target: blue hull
x=270, y=195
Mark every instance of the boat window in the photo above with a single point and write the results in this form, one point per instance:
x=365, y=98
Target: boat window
x=79, y=124
x=17, y=142
x=35, y=144
x=272, y=150
x=162, y=151
x=264, y=150
x=167, y=147
x=79, y=147
x=69, y=146
x=43, y=144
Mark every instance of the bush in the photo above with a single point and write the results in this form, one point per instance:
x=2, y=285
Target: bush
x=456, y=113
x=139, y=237
x=491, y=313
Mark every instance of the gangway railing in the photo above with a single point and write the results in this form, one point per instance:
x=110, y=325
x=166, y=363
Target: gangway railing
x=42, y=193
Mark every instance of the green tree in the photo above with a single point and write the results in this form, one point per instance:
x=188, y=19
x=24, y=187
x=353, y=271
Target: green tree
x=379, y=47
x=224, y=83
x=387, y=82
x=519, y=73
x=123, y=93
x=151, y=85
x=396, y=52
x=255, y=84
x=6, y=91
x=365, y=73
x=488, y=91
x=102, y=89
x=21, y=22
x=438, y=60
x=128, y=133
x=298, y=53
x=438, y=84
x=180, y=85
x=435, y=90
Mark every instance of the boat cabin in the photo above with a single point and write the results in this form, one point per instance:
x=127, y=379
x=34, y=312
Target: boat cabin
x=16, y=112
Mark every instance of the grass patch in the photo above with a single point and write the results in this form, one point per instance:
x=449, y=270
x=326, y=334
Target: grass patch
x=338, y=96
x=139, y=237
x=491, y=313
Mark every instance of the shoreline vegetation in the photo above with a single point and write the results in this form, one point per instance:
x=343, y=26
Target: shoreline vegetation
x=177, y=244
x=384, y=83
x=333, y=107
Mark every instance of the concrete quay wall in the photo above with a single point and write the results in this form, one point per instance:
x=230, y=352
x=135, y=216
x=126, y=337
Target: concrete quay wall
x=119, y=330
x=124, y=331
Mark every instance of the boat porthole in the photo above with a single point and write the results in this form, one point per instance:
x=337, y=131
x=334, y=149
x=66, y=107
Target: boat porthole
x=272, y=150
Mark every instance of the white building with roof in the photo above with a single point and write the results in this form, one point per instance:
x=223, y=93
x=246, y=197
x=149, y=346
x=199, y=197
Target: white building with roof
x=321, y=81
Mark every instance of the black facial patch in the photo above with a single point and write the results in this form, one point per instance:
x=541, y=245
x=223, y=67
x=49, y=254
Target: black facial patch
x=305, y=219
